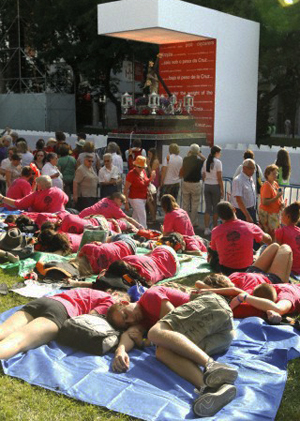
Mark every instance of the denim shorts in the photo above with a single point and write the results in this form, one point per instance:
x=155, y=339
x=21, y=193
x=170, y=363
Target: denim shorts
x=271, y=276
x=50, y=309
x=207, y=321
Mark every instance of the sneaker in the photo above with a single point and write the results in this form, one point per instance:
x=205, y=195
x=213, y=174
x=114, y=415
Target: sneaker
x=207, y=231
x=216, y=374
x=211, y=400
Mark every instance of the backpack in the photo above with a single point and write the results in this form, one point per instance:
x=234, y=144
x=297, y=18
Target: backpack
x=131, y=159
x=89, y=333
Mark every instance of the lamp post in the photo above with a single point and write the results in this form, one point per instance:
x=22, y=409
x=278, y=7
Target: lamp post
x=188, y=103
x=153, y=102
x=126, y=102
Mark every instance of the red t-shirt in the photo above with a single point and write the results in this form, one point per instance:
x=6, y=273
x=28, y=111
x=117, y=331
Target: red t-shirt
x=75, y=224
x=194, y=243
x=178, y=221
x=248, y=281
x=102, y=256
x=50, y=200
x=160, y=264
x=290, y=292
x=150, y=302
x=83, y=300
x=139, y=184
x=105, y=207
x=233, y=240
x=18, y=189
x=290, y=235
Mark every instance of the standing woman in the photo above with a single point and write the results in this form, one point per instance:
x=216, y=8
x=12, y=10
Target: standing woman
x=283, y=163
x=135, y=189
x=51, y=169
x=109, y=177
x=67, y=165
x=153, y=165
x=271, y=201
x=14, y=170
x=40, y=159
x=213, y=186
x=85, y=184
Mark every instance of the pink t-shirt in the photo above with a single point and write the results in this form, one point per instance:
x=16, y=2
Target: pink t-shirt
x=50, y=200
x=102, y=256
x=194, y=242
x=105, y=207
x=18, y=189
x=75, y=224
x=290, y=292
x=290, y=235
x=248, y=281
x=150, y=302
x=74, y=240
x=83, y=300
x=233, y=240
x=160, y=264
x=178, y=221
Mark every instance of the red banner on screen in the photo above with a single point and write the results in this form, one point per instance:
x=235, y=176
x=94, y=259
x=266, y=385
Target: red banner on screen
x=190, y=68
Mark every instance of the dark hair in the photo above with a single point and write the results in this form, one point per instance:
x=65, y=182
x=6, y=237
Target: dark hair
x=210, y=160
x=52, y=241
x=120, y=268
x=175, y=239
x=51, y=155
x=40, y=144
x=26, y=172
x=265, y=291
x=225, y=210
x=137, y=143
x=15, y=157
x=81, y=135
x=24, y=220
x=168, y=203
x=269, y=169
x=117, y=195
x=283, y=161
x=21, y=139
x=39, y=151
x=48, y=225
x=153, y=151
x=293, y=211
x=217, y=280
x=248, y=154
x=60, y=136
x=64, y=150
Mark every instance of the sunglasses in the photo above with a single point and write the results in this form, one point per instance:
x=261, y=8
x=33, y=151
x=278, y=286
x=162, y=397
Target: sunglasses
x=106, y=160
x=90, y=160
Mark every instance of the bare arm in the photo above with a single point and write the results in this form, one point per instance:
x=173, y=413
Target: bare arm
x=165, y=308
x=133, y=222
x=220, y=181
x=126, y=192
x=267, y=239
x=7, y=201
x=243, y=208
x=163, y=175
x=8, y=178
x=121, y=360
x=281, y=307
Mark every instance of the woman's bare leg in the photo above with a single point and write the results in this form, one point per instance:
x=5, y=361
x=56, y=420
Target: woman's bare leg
x=265, y=260
x=14, y=322
x=282, y=263
x=36, y=333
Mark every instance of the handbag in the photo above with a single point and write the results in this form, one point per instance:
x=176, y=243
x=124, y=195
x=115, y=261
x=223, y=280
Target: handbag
x=89, y=333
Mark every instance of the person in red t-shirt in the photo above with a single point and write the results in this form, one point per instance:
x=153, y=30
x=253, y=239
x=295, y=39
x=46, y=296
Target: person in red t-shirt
x=290, y=234
x=20, y=187
x=39, y=321
x=176, y=219
x=135, y=189
x=233, y=240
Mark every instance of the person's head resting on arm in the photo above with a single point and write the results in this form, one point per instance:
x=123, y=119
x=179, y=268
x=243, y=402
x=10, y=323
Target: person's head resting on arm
x=124, y=315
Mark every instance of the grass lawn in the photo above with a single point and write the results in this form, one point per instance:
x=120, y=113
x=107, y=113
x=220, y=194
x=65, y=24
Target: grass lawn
x=23, y=402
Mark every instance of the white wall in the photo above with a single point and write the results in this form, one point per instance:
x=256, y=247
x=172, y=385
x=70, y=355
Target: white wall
x=236, y=58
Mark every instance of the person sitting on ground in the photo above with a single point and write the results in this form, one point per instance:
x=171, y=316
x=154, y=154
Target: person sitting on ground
x=45, y=199
x=176, y=219
x=289, y=234
x=110, y=207
x=39, y=321
x=233, y=240
x=183, y=343
x=21, y=187
x=272, y=267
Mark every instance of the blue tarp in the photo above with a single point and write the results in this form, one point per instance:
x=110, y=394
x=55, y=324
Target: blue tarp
x=150, y=391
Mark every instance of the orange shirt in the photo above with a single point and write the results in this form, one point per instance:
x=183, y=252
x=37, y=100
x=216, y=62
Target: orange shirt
x=269, y=191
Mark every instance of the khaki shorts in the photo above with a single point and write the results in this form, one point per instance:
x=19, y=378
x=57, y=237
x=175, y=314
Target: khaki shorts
x=206, y=321
x=269, y=221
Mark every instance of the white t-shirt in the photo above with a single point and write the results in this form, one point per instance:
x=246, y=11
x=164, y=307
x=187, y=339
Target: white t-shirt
x=49, y=169
x=173, y=164
x=106, y=175
x=5, y=165
x=117, y=160
x=211, y=177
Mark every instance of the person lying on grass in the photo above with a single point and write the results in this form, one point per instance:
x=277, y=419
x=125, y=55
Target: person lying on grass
x=187, y=334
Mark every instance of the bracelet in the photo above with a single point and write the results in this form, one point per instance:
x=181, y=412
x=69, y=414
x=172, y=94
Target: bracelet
x=243, y=300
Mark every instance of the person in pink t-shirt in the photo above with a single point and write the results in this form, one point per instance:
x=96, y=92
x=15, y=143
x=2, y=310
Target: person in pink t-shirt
x=194, y=244
x=39, y=321
x=233, y=240
x=176, y=219
x=20, y=187
x=45, y=199
x=290, y=234
x=110, y=207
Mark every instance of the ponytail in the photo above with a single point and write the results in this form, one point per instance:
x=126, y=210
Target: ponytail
x=210, y=160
